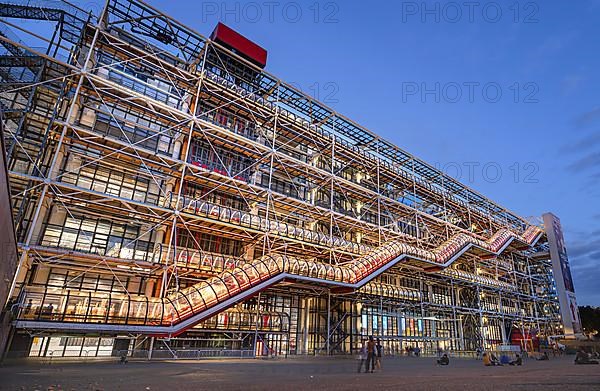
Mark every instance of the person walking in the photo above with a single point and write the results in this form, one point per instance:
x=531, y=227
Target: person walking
x=370, y=355
x=378, y=353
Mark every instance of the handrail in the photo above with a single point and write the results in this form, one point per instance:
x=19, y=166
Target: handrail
x=247, y=219
x=181, y=310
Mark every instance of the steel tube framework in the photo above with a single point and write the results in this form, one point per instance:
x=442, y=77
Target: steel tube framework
x=160, y=180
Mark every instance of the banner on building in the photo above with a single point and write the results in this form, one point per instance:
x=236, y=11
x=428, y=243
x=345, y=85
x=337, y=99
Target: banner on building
x=562, y=275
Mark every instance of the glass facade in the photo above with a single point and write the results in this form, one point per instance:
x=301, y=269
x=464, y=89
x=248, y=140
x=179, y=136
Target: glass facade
x=175, y=190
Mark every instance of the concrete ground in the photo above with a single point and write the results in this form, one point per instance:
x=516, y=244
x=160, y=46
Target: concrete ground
x=310, y=373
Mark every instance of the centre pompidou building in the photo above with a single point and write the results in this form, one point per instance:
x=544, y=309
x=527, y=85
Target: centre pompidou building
x=171, y=197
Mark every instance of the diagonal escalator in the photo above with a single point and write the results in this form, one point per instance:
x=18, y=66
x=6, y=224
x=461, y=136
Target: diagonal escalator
x=175, y=313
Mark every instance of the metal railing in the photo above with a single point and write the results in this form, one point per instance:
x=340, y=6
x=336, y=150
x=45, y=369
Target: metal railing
x=186, y=354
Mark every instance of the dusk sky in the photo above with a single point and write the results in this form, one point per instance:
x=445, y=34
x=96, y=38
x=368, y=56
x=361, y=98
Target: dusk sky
x=517, y=91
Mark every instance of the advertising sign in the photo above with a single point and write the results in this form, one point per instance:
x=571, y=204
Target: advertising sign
x=562, y=275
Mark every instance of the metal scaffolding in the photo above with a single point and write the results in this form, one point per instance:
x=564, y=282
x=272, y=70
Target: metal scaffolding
x=160, y=180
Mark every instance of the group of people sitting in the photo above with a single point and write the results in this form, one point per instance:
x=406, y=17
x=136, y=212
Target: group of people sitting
x=583, y=358
x=490, y=360
x=372, y=352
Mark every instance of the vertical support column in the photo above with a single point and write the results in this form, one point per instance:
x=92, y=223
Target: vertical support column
x=358, y=322
x=414, y=179
x=151, y=348
x=256, y=325
x=461, y=335
x=249, y=249
x=172, y=184
x=453, y=296
x=469, y=214
x=9, y=251
x=534, y=298
x=446, y=227
x=424, y=294
x=503, y=331
x=501, y=312
x=481, y=322
x=308, y=302
x=378, y=199
x=491, y=225
x=331, y=202
x=328, y=319
x=42, y=208
x=380, y=322
x=271, y=169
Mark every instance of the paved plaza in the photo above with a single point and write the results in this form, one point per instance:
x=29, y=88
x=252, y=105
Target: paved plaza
x=298, y=374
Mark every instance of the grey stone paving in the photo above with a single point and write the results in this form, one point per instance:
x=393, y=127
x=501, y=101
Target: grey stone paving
x=312, y=373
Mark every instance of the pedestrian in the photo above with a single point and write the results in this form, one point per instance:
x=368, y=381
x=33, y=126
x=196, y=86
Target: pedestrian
x=444, y=360
x=487, y=360
x=495, y=360
x=379, y=353
x=362, y=356
x=582, y=358
x=517, y=361
x=370, y=355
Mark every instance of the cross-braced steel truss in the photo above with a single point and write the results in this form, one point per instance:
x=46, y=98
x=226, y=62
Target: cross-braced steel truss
x=184, y=180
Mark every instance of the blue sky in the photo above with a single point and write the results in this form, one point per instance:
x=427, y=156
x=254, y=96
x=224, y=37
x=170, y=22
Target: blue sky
x=538, y=143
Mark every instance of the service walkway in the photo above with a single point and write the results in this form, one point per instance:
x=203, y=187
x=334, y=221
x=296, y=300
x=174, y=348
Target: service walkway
x=299, y=374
